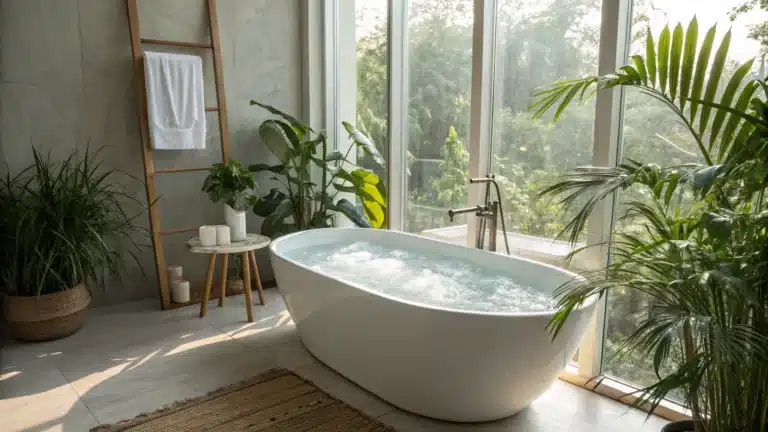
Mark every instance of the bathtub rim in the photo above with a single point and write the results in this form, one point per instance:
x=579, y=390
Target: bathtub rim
x=590, y=302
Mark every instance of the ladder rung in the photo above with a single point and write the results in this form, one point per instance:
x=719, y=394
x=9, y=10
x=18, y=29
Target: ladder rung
x=175, y=170
x=211, y=108
x=176, y=43
x=179, y=230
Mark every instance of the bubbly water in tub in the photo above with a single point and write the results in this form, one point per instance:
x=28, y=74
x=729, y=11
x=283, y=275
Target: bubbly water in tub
x=424, y=278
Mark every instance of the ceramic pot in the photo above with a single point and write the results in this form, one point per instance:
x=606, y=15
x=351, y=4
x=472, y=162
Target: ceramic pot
x=236, y=223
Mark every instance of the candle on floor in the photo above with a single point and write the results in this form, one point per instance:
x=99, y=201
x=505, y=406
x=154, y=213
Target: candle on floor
x=180, y=291
x=207, y=236
x=222, y=235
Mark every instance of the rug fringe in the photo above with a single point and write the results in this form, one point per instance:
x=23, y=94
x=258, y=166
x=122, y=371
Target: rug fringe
x=192, y=401
x=271, y=374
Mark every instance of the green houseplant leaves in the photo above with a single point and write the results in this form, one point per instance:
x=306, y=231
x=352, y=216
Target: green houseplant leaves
x=700, y=252
x=231, y=184
x=304, y=203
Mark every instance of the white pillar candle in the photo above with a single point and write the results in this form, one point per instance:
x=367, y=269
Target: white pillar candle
x=207, y=236
x=180, y=291
x=222, y=235
x=174, y=273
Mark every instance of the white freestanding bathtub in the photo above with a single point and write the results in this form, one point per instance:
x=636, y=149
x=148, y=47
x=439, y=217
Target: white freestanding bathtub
x=447, y=364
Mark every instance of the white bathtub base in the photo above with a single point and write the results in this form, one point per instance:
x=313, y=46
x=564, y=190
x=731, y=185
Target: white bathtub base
x=444, y=364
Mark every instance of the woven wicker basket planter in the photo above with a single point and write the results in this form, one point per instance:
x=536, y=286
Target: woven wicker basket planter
x=49, y=316
x=235, y=287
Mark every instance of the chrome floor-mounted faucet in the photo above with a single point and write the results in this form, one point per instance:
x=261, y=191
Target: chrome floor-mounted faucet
x=488, y=213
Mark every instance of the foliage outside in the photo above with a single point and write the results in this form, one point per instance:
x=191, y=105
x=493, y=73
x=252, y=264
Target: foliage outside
x=62, y=224
x=303, y=204
x=232, y=184
x=697, y=245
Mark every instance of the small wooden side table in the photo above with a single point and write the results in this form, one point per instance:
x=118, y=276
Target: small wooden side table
x=246, y=250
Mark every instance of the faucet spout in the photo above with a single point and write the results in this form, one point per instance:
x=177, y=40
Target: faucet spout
x=453, y=213
x=491, y=213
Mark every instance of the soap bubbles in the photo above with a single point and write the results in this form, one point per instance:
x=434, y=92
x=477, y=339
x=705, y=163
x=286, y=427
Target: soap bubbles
x=429, y=279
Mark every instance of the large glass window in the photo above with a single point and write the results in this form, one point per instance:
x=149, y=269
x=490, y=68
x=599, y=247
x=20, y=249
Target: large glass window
x=538, y=43
x=371, y=35
x=439, y=82
x=651, y=134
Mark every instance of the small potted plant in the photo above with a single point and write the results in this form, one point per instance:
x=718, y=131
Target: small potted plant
x=233, y=185
x=61, y=226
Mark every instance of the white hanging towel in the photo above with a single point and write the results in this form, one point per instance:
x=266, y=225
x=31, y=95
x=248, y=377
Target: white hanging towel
x=175, y=100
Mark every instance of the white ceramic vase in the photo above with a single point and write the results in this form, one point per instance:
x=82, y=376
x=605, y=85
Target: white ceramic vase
x=236, y=223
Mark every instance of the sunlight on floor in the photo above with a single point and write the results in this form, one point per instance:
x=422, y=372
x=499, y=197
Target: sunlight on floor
x=9, y=375
x=144, y=360
x=249, y=329
x=88, y=382
x=197, y=344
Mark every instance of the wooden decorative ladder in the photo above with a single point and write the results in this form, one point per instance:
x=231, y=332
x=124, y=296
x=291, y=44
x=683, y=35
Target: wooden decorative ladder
x=150, y=172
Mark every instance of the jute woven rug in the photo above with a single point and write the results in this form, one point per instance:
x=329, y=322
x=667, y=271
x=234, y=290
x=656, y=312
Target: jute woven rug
x=278, y=400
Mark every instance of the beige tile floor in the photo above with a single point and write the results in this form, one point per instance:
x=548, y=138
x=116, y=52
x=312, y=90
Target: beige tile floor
x=133, y=358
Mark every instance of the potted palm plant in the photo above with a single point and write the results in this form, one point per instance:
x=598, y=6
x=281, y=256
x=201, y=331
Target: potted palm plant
x=231, y=184
x=62, y=227
x=699, y=250
x=303, y=204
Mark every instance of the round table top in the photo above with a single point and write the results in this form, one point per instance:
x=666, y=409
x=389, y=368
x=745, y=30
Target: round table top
x=251, y=242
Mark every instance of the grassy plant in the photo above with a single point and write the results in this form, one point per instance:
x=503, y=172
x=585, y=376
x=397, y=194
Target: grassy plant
x=700, y=255
x=63, y=224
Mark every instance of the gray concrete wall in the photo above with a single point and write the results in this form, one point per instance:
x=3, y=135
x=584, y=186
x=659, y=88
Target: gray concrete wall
x=66, y=77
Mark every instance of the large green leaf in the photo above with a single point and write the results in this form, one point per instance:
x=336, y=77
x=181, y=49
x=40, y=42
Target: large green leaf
x=733, y=121
x=369, y=188
x=640, y=68
x=267, y=204
x=663, y=58
x=715, y=72
x=689, y=60
x=676, y=51
x=349, y=210
x=299, y=127
x=260, y=167
x=566, y=100
x=274, y=224
x=650, y=57
x=373, y=197
x=364, y=142
x=704, y=178
x=727, y=98
x=701, y=69
x=345, y=175
x=280, y=139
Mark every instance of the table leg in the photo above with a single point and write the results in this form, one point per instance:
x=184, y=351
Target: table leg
x=208, y=282
x=247, y=286
x=252, y=254
x=224, y=263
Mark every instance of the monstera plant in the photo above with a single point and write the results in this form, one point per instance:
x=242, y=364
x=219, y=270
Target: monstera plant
x=698, y=250
x=303, y=203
